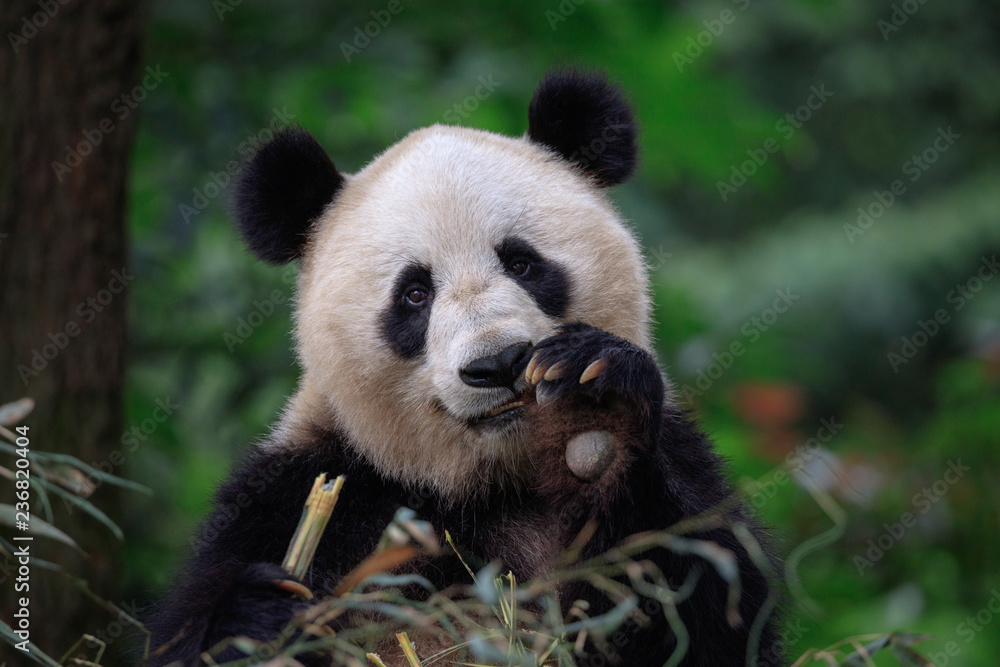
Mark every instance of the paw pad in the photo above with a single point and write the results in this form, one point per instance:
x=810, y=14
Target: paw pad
x=590, y=453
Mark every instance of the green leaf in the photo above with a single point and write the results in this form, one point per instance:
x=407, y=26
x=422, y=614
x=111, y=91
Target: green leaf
x=36, y=526
x=857, y=659
x=87, y=507
x=35, y=653
x=910, y=638
x=607, y=622
x=99, y=474
x=907, y=657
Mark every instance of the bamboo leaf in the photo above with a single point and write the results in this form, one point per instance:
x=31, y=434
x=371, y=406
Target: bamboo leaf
x=105, y=477
x=34, y=653
x=14, y=412
x=907, y=657
x=87, y=507
x=910, y=638
x=36, y=526
x=861, y=658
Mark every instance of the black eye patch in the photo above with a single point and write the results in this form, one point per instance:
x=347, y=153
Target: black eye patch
x=546, y=281
x=404, y=321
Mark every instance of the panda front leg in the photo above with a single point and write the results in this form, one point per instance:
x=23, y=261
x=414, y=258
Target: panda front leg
x=643, y=467
x=597, y=393
x=258, y=602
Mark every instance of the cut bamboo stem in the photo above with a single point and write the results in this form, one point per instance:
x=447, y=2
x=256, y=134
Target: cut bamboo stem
x=315, y=515
x=408, y=652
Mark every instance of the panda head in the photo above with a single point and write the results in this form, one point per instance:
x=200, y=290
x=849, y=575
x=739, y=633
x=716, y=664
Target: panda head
x=425, y=278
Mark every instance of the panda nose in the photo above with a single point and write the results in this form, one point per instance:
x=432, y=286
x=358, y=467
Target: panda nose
x=497, y=370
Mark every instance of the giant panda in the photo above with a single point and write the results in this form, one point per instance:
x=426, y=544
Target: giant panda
x=468, y=306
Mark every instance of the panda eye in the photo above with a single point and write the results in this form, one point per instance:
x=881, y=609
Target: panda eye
x=416, y=296
x=520, y=267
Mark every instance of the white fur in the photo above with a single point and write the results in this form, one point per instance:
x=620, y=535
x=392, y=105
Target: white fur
x=446, y=197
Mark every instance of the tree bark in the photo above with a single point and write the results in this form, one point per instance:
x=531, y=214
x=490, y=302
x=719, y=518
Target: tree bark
x=64, y=156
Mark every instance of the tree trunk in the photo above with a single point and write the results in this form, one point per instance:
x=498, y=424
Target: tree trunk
x=65, y=145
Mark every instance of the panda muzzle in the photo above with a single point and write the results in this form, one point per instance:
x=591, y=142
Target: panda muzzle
x=527, y=396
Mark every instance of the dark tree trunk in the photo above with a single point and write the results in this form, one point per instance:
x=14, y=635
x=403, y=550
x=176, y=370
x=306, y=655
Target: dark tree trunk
x=63, y=63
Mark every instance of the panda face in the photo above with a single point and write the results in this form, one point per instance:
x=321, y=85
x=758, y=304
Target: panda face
x=428, y=279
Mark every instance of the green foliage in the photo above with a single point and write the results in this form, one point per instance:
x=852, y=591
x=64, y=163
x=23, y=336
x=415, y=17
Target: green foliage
x=51, y=476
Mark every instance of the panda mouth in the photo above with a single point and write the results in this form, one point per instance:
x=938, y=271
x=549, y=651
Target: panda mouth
x=506, y=409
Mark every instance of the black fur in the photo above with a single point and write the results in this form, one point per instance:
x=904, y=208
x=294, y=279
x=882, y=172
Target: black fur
x=254, y=605
x=403, y=325
x=636, y=378
x=281, y=190
x=587, y=120
x=664, y=472
x=545, y=280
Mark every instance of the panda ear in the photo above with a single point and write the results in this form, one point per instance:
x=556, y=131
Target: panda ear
x=281, y=190
x=588, y=121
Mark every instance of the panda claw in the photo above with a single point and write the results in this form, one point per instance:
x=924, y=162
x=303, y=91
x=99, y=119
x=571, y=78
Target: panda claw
x=538, y=373
x=293, y=587
x=593, y=370
x=530, y=369
x=555, y=372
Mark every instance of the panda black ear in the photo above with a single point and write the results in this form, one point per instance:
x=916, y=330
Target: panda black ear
x=588, y=121
x=281, y=190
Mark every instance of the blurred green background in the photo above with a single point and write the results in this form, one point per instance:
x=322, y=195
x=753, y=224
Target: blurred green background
x=712, y=83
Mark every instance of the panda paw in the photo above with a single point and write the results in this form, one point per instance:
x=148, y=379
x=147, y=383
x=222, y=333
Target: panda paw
x=259, y=604
x=582, y=359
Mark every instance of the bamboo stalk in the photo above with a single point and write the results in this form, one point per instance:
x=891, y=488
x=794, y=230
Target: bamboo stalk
x=407, y=646
x=315, y=515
